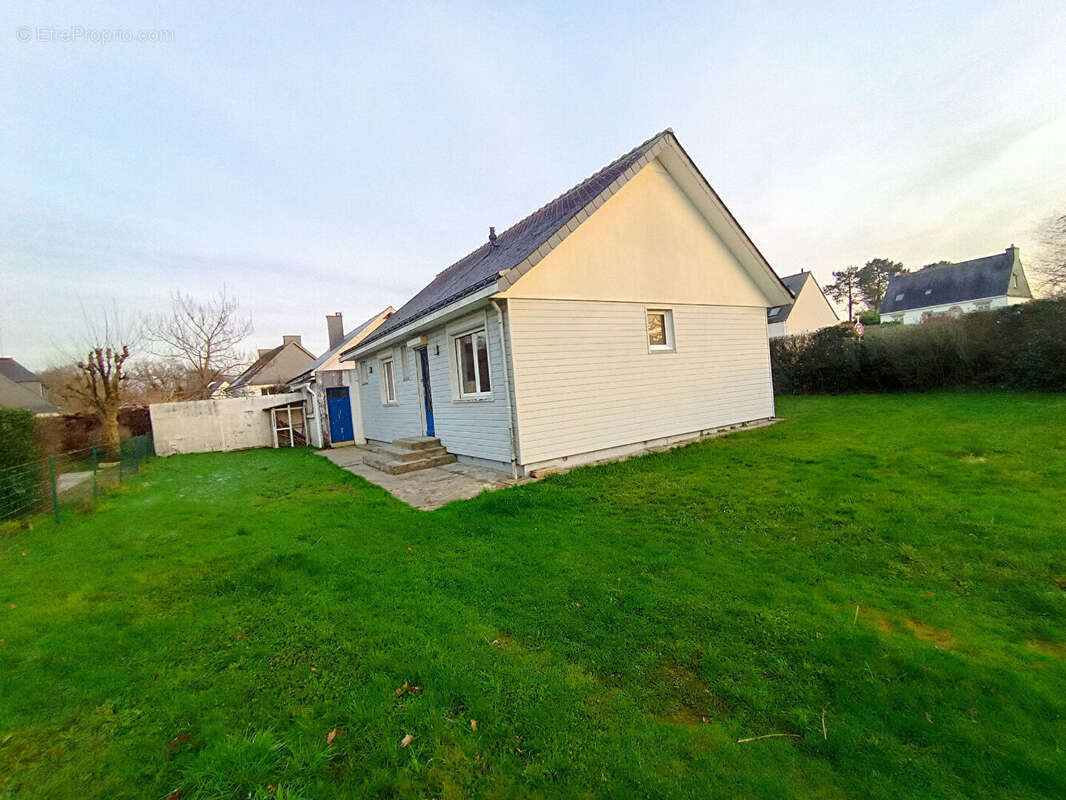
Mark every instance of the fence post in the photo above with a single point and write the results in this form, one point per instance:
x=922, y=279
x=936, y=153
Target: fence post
x=96, y=463
x=55, y=492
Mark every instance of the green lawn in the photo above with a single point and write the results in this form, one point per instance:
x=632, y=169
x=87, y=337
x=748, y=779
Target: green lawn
x=895, y=566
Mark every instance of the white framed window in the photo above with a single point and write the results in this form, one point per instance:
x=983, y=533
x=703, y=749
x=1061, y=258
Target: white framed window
x=773, y=313
x=660, y=329
x=388, y=383
x=472, y=364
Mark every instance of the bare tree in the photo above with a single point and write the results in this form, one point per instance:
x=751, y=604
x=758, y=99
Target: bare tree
x=100, y=380
x=102, y=387
x=204, y=337
x=1051, y=263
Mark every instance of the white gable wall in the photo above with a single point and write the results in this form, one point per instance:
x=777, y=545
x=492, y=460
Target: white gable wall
x=585, y=381
x=647, y=242
x=810, y=312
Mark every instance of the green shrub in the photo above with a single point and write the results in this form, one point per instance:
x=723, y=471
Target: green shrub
x=1016, y=347
x=20, y=474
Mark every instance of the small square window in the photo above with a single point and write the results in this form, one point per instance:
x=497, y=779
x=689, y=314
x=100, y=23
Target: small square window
x=660, y=329
x=775, y=311
x=927, y=291
x=899, y=296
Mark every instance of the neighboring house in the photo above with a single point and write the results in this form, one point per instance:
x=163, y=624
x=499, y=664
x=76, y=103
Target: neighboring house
x=329, y=410
x=810, y=311
x=629, y=312
x=20, y=388
x=953, y=289
x=274, y=368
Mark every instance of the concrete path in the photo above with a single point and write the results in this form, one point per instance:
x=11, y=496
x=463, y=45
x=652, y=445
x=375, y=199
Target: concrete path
x=68, y=480
x=425, y=489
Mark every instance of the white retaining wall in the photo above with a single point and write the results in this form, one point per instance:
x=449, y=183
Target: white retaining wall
x=208, y=426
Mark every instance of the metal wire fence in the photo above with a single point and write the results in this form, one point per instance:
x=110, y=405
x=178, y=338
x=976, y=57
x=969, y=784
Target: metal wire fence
x=57, y=482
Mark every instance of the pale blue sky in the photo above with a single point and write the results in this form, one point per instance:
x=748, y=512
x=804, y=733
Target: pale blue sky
x=335, y=156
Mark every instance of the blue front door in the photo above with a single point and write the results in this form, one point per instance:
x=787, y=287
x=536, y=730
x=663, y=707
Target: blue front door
x=340, y=415
x=427, y=395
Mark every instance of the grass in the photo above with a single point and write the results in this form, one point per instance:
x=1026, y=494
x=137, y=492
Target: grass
x=892, y=565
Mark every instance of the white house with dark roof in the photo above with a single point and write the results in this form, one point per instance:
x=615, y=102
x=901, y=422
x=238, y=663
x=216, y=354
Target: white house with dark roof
x=20, y=388
x=952, y=289
x=809, y=311
x=273, y=369
x=629, y=312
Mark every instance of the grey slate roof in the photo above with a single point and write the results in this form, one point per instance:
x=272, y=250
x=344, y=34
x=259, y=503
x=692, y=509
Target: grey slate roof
x=482, y=267
x=322, y=359
x=794, y=283
x=955, y=283
x=12, y=369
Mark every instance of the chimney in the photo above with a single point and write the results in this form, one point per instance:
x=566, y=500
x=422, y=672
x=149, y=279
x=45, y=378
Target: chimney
x=290, y=340
x=492, y=237
x=264, y=350
x=335, y=329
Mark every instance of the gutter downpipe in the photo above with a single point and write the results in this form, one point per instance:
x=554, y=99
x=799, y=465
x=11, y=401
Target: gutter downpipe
x=314, y=408
x=507, y=390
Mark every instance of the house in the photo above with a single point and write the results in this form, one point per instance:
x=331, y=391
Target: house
x=953, y=289
x=272, y=370
x=810, y=311
x=20, y=388
x=627, y=313
x=328, y=383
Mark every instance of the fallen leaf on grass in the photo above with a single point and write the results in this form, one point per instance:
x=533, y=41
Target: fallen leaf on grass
x=241, y=636
x=181, y=737
x=406, y=740
x=473, y=724
x=175, y=795
x=402, y=689
x=332, y=735
x=25, y=553
x=928, y=718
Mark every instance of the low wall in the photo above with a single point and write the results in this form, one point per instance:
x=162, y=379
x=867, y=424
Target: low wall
x=209, y=426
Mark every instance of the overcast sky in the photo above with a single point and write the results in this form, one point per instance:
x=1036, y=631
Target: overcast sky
x=335, y=157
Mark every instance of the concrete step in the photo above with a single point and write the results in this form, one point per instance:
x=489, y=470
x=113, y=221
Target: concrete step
x=416, y=443
x=401, y=454
x=394, y=466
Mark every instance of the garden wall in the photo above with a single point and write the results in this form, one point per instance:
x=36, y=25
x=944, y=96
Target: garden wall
x=1019, y=347
x=205, y=426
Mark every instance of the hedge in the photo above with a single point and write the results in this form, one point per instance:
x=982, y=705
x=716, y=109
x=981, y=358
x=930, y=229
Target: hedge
x=20, y=474
x=1016, y=347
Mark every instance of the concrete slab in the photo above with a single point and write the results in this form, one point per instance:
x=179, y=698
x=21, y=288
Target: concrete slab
x=425, y=489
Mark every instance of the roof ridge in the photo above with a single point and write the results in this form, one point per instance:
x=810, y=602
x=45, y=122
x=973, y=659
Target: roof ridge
x=642, y=146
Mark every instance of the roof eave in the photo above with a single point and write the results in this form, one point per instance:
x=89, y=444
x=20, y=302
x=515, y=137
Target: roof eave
x=426, y=320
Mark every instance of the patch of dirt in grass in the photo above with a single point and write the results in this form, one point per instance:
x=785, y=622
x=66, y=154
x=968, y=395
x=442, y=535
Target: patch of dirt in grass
x=1053, y=649
x=941, y=639
x=878, y=619
x=974, y=459
x=683, y=697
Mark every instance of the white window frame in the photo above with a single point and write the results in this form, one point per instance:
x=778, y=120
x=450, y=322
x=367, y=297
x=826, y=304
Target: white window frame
x=388, y=381
x=668, y=329
x=457, y=363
